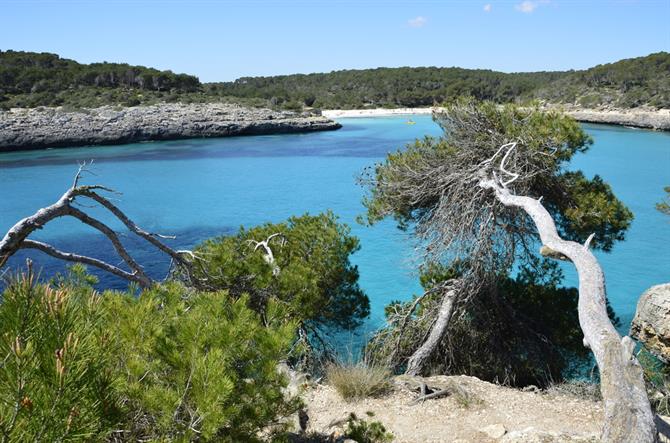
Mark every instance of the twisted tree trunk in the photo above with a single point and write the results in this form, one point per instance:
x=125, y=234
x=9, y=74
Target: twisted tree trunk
x=17, y=236
x=628, y=416
x=418, y=360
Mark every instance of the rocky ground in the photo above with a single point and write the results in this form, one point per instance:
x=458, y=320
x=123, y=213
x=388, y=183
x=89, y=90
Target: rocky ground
x=479, y=412
x=22, y=129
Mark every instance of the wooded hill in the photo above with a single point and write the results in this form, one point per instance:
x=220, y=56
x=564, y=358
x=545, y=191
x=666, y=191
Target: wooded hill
x=40, y=79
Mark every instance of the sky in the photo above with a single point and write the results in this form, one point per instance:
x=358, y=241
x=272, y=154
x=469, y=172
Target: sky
x=221, y=40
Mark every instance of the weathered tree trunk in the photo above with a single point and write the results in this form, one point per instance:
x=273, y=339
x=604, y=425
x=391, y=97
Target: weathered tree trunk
x=17, y=236
x=418, y=360
x=628, y=416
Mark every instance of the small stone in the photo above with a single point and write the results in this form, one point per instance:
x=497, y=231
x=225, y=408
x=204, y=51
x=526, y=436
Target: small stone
x=494, y=431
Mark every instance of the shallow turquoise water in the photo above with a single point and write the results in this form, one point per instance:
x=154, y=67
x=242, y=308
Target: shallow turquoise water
x=199, y=188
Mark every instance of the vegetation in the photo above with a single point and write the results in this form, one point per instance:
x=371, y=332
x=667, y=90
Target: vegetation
x=302, y=263
x=362, y=431
x=358, y=380
x=664, y=206
x=511, y=324
x=40, y=79
x=169, y=364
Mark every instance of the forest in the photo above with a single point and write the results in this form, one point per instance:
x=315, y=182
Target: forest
x=40, y=79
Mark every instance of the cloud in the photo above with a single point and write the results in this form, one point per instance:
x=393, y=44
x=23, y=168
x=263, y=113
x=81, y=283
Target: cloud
x=526, y=6
x=529, y=6
x=417, y=22
x=488, y=7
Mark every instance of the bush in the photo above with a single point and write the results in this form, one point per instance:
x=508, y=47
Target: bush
x=309, y=272
x=198, y=365
x=356, y=381
x=167, y=364
x=362, y=431
x=55, y=382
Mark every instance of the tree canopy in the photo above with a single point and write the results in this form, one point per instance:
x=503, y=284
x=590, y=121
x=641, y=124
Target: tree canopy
x=304, y=263
x=432, y=188
x=30, y=79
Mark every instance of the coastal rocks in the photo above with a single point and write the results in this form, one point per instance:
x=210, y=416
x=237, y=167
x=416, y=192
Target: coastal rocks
x=651, y=324
x=638, y=118
x=23, y=129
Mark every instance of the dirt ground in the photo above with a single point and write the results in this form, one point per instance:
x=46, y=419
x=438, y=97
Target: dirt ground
x=477, y=412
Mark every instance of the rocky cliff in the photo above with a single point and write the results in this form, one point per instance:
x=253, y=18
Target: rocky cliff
x=651, y=324
x=23, y=129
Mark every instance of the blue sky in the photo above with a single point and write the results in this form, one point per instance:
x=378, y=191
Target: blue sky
x=227, y=39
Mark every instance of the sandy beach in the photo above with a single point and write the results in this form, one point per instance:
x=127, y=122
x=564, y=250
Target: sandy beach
x=658, y=119
x=379, y=112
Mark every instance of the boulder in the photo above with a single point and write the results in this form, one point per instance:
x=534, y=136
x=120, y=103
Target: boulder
x=651, y=324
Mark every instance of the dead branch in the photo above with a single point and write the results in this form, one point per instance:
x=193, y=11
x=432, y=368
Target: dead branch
x=628, y=415
x=417, y=361
x=17, y=236
x=432, y=395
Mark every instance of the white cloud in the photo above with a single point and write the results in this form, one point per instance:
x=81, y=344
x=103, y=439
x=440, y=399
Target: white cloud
x=529, y=6
x=488, y=7
x=417, y=22
x=526, y=6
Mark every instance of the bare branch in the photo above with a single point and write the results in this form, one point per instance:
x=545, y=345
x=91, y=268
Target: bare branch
x=17, y=236
x=68, y=256
x=628, y=415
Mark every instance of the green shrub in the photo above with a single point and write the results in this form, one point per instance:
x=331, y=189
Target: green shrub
x=359, y=380
x=198, y=366
x=310, y=272
x=363, y=431
x=167, y=364
x=55, y=382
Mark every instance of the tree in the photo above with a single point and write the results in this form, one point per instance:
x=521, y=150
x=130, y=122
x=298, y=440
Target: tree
x=198, y=366
x=303, y=263
x=55, y=378
x=465, y=196
x=66, y=206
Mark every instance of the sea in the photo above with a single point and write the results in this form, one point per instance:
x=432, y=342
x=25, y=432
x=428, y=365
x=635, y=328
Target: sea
x=198, y=188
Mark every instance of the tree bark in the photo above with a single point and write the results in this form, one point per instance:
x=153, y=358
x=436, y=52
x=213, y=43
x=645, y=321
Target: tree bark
x=628, y=416
x=418, y=360
x=17, y=236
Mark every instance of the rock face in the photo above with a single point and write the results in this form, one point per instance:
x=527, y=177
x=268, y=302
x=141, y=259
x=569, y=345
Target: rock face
x=637, y=118
x=651, y=324
x=23, y=129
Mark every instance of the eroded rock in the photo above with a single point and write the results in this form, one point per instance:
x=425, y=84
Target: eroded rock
x=651, y=324
x=23, y=129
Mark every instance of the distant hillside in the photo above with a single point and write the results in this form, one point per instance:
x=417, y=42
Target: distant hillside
x=389, y=87
x=629, y=83
x=31, y=79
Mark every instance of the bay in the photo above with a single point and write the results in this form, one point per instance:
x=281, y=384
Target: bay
x=199, y=188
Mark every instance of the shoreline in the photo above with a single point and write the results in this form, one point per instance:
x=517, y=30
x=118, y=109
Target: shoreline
x=637, y=118
x=41, y=128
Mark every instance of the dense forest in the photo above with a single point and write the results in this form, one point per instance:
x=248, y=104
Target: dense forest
x=40, y=79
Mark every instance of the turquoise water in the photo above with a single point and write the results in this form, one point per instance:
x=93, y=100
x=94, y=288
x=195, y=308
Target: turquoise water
x=204, y=187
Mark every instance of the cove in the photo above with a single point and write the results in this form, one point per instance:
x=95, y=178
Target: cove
x=200, y=188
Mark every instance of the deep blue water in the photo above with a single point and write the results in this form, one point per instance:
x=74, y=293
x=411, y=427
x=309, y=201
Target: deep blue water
x=199, y=188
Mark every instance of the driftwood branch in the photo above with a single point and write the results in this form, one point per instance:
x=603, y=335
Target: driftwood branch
x=17, y=236
x=628, y=416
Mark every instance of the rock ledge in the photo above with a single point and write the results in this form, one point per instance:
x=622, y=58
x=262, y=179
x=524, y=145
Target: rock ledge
x=24, y=129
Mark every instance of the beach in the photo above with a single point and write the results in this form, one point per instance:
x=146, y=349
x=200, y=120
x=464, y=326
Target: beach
x=658, y=119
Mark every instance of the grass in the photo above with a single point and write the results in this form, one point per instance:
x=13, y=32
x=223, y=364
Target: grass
x=359, y=380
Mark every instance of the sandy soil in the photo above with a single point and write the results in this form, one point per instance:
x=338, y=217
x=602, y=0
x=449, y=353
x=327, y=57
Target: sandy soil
x=493, y=414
